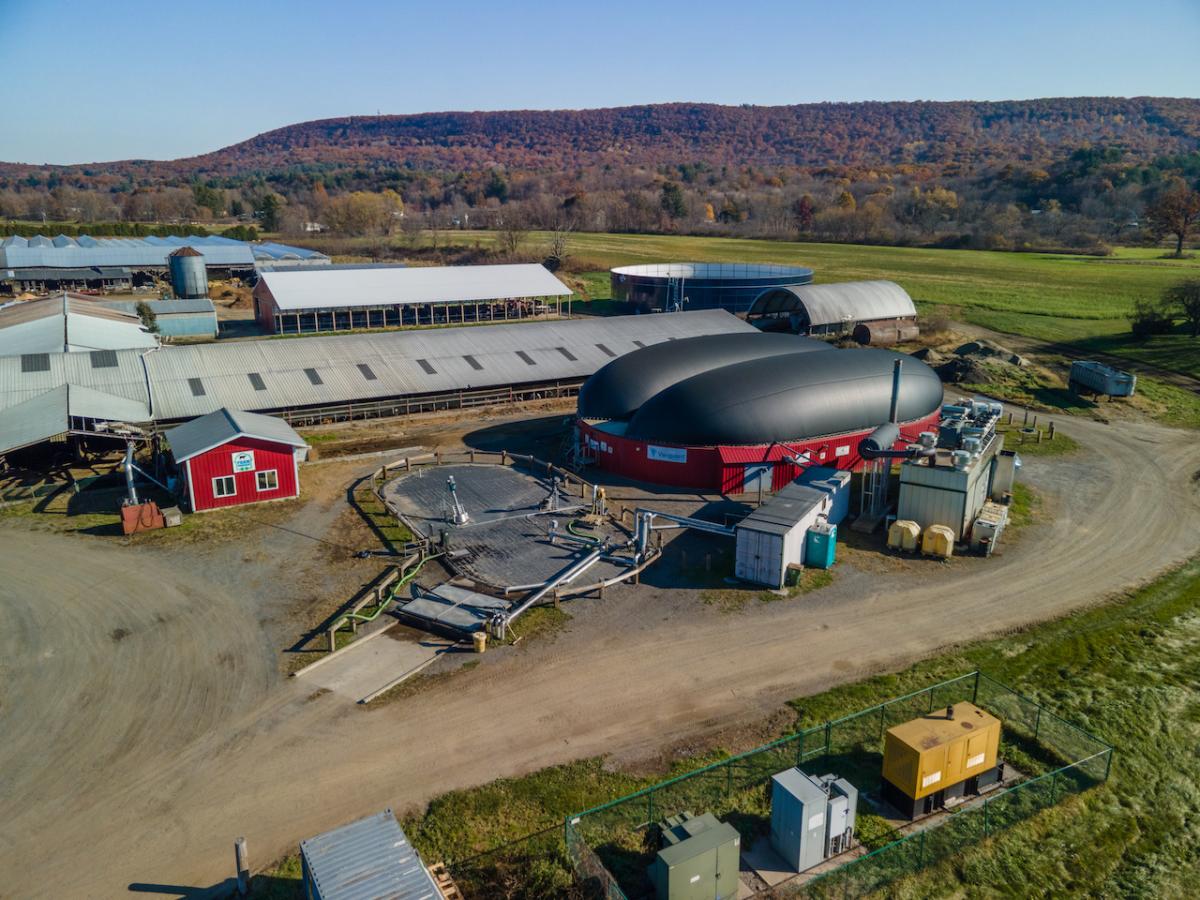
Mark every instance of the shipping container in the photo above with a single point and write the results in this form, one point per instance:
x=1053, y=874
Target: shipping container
x=1097, y=378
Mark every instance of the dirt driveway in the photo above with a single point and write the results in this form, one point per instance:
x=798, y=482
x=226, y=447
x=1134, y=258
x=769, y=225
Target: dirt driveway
x=131, y=761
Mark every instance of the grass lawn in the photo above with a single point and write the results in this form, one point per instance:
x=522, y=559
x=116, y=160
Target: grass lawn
x=1128, y=671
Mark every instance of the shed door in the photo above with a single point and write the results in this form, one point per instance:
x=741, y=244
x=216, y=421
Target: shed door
x=758, y=475
x=759, y=557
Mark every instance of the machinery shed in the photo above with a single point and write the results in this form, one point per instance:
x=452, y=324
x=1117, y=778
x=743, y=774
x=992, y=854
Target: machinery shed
x=771, y=539
x=176, y=318
x=835, y=308
x=340, y=299
x=370, y=859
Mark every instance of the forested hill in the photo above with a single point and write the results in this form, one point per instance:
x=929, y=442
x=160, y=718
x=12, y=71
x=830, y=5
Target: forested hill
x=961, y=133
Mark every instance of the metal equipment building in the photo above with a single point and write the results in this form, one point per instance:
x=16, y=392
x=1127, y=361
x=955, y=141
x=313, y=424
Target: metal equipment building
x=771, y=540
x=662, y=287
x=341, y=299
x=58, y=263
x=948, y=753
x=735, y=412
x=175, y=318
x=333, y=378
x=67, y=323
x=834, y=308
x=367, y=859
x=231, y=458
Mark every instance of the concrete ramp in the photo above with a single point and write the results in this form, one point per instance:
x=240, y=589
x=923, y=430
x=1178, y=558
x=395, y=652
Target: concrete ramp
x=363, y=670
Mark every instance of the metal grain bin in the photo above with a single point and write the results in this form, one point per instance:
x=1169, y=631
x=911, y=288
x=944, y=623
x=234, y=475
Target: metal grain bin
x=189, y=278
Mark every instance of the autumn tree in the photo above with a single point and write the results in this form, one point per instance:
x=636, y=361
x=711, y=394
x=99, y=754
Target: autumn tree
x=1175, y=212
x=270, y=207
x=803, y=211
x=1184, y=299
x=672, y=200
x=513, y=233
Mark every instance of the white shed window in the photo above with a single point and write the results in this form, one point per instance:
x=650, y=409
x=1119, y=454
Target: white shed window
x=224, y=486
x=268, y=480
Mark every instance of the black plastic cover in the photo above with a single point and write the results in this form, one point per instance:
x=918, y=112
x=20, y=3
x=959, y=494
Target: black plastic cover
x=619, y=389
x=787, y=398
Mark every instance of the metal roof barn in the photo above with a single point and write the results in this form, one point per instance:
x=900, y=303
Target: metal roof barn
x=370, y=859
x=202, y=434
x=174, y=383
x=390, y=285
x=65, y=252
x=68, y=323
x=826, y=307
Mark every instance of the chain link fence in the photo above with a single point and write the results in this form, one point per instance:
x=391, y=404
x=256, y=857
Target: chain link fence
x=610, y=846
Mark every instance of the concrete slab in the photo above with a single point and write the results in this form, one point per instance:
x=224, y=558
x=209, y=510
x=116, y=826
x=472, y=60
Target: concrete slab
x=363, y=670
x=764, y=862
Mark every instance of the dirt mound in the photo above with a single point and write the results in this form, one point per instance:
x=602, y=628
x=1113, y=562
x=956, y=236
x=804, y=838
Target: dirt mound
x=963, y=369
x=985, y=349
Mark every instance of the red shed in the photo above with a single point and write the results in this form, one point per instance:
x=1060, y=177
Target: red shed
x=230, y=457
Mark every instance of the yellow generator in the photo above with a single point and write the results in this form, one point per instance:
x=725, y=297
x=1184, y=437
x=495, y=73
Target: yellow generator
x=950, y=753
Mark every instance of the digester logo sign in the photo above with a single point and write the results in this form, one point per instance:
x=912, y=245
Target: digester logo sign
x=243, y=461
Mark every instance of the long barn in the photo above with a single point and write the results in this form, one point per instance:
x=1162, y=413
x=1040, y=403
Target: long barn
x=321, y=379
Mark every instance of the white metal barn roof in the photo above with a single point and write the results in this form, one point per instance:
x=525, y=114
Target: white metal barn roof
x=65, y=252
x=846, y=301
x=173, y=382
x=202, y=434
x=67, y=323
x=370, y=859
x=388, y=285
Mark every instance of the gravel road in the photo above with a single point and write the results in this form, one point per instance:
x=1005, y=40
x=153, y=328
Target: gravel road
x=145, y=725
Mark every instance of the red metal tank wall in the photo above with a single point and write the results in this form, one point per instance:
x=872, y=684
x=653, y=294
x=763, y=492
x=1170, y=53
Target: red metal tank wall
x=219, y=461
x=723, y=468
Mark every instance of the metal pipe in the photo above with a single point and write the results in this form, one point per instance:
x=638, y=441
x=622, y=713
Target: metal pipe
x=893, y=412
x=566, y=575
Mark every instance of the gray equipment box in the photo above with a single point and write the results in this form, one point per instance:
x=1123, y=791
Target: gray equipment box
x=700, y=861
x=798, y=819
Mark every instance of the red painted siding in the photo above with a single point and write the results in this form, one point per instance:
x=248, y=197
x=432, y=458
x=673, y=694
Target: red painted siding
x=264, y=306
x=723, y=468
x=202, y=469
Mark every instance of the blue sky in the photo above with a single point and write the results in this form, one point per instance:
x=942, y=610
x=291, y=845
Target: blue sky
x=115, y=79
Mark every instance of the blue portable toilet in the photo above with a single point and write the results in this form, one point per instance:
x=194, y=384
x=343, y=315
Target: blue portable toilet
x=820, y=546
x=835, y=483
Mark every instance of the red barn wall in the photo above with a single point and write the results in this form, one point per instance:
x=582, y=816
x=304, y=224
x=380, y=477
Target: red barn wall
x=202, y=469
x=264, y=306
x=723, y=468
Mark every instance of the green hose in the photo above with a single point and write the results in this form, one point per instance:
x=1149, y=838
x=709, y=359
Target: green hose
x=404, y=579
x=582, y=537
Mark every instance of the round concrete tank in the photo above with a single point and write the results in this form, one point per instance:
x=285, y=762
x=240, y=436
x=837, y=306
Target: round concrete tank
x=189, y=278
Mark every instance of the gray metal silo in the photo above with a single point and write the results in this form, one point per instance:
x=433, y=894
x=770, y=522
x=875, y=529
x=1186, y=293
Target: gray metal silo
x=189, y=278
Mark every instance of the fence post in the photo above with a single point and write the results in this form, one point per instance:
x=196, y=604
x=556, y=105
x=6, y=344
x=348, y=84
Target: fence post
x=921, y=853
x=975, y=691
x=987, y=826
x=1108, y=763
x=650, y=808
x=1037, y=724
x=882, y=718
x=828, y=737
x=728, y=779
x=1054, y=788
x=800, y=750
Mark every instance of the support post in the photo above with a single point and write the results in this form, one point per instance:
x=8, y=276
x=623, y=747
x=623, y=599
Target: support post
x=1037, y=724
x=332, y=639
x=242, y=865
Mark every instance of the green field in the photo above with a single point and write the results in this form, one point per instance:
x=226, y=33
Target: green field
x=1052, y=297
x=1127, y=671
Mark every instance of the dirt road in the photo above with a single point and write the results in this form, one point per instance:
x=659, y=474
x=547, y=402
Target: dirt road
x=136, y=761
